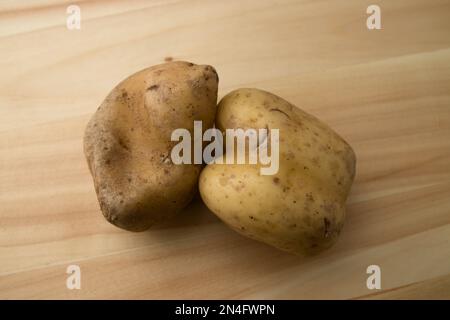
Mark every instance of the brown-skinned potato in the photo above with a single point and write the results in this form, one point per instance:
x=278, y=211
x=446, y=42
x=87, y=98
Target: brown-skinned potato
x=127, y=142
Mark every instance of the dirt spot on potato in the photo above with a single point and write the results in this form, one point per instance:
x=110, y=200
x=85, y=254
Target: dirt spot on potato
x=315, y=161
x=327, y=227
x=238, y=187
x=153, y=87
x=309, y=197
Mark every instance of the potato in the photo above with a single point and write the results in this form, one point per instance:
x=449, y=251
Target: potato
x=301, y=208
x=127, y=142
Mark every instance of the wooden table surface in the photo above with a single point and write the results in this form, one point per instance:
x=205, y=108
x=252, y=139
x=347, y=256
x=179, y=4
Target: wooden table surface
x=385, y=91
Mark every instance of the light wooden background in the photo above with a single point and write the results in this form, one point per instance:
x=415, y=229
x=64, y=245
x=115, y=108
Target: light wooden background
x=386, y=91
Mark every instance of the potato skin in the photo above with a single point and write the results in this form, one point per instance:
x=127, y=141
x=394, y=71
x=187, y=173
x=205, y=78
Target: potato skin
x=301, y=209
x=127, y=142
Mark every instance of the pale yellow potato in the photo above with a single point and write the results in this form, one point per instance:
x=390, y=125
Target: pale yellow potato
x=300, y=209
x=128, y=142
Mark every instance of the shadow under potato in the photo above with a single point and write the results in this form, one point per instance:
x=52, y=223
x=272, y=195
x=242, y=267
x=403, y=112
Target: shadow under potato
x=195, y=214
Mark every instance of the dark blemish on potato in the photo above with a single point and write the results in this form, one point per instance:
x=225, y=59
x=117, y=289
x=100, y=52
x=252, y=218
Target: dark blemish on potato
x=239, y=187
x=308, y=145
x=124, y=94
x=108, y=161
x=315, y=133
x=132, y=129
x=129, y=179
x=247, y=95
x=164, y=158
x=95, y=125
x=305, y=168
x=276, y=180
x=166, y=171
x=168, y=59
x=153, y=87
x=242, y=228
x=326, y=225
x=253, y=218
x=281, y=111
x=286, y=189
x=292, y=226
x=121, y=201
x=294, y=201
x=309, y=197
x=105, y=148
x=123, y=145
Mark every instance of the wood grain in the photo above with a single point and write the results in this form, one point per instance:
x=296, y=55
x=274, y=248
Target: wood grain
x=386, y=91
